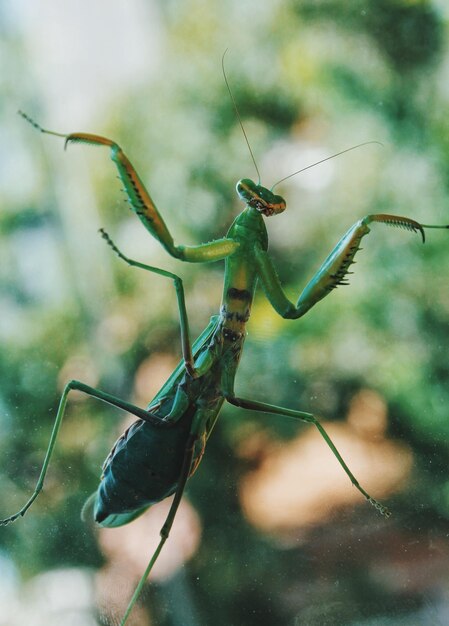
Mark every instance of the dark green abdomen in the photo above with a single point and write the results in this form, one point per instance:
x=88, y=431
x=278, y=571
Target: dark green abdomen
x=143, y=467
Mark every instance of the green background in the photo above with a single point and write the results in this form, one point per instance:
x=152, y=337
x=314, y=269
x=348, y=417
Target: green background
x=310, y=79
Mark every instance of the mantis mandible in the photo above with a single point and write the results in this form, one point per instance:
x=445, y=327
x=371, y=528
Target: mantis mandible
x=157, y=454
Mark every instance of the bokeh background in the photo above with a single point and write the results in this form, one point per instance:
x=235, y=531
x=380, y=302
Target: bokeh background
x=271, y=531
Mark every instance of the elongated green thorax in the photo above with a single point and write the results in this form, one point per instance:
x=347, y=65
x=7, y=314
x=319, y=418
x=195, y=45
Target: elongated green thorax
x=240, y=278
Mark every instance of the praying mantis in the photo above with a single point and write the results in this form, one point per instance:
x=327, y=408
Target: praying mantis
x=160, y=451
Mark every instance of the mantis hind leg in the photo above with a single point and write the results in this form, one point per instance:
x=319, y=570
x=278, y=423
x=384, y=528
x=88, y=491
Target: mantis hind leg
x=95, y=393
x=165, y=530
x=311, y=419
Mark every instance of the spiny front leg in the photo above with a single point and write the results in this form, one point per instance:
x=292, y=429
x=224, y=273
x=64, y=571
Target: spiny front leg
x=138, y=197
x=335, y=269
x=145, y=209
x=142, y=203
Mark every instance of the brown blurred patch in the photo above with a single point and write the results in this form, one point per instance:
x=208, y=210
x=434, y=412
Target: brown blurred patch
x=301, y=483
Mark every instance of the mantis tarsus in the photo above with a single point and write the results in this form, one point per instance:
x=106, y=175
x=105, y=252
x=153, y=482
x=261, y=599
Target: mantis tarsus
x=157, y=454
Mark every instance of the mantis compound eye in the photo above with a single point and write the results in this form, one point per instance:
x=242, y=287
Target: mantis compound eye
x=260, y=198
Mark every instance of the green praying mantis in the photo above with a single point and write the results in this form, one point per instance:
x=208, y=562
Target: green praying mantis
x=157, y=454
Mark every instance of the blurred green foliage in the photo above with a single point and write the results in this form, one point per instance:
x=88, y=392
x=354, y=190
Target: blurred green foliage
x=321, y=75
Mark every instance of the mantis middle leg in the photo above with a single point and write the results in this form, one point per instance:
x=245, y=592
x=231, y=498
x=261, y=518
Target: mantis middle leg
x=311, y=419
x=184, y=322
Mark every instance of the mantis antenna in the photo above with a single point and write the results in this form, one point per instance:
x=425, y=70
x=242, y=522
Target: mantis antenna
x=238, y=114
x=359, y=145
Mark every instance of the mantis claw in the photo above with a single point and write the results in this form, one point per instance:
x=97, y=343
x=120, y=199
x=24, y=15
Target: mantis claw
x=400, y=222
x=383, y=510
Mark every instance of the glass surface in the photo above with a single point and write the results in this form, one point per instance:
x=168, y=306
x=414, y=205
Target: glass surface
x=271, y=531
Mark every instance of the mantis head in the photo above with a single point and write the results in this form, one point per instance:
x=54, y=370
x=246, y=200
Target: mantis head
x=260, y=198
